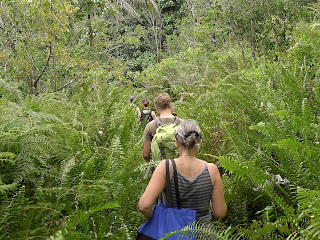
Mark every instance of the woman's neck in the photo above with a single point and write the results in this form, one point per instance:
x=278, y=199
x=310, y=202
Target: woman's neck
x=188, y=158
x=188, y=154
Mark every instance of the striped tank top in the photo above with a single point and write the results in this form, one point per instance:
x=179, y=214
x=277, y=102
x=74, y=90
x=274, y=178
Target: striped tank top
x=195, y=193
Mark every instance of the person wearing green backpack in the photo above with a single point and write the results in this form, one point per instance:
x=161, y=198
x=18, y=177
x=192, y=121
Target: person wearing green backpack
x=159, y=139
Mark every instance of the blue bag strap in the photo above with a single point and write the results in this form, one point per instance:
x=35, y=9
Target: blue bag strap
x=168, y=187
x=176, y=182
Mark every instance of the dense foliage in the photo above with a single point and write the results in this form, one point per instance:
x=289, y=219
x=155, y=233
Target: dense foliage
x=248, y=72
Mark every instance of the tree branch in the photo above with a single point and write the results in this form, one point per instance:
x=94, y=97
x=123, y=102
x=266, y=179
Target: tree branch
x=73, y=80
x=44, y=68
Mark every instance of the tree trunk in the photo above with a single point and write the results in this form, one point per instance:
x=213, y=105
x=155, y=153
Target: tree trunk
x=253, y=39
x=90, y=31
x=156, y=35
x=156, y=25
x=191, y=6
x=284, y=31
x=242, y=52
x=240, y=45
x=275, y=31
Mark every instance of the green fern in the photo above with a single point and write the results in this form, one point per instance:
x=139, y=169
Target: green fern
x=80, y=216
x=256, y=177
x=309, y=208
x=13, y=215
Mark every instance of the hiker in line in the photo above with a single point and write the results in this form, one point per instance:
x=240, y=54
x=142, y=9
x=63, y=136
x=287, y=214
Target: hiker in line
x=199, y=182
x=163, y=106
x=146, y=114
x=134, y=106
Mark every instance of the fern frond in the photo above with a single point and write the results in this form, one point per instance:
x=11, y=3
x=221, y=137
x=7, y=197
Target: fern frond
x=243, y=171
x=263, y=230
x=263, y=128
x=304, y=149
x=116, y=149
x=257, y=178
x=201, y=230
x=36, y=140
x=80, y=216
x=7, y=187
x=9, y=91
x=14, y=213
x=40, y=117
x=66, y=166
x=7, y=157
x=294, y=236
x=309, y=206
x=307, y=114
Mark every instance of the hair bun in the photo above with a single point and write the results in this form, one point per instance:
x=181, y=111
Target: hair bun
x=190, y=133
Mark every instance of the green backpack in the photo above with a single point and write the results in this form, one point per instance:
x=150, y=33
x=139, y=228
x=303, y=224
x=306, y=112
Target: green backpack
x=163, y=145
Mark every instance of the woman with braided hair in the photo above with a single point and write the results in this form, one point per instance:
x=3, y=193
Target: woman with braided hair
x=199, y=182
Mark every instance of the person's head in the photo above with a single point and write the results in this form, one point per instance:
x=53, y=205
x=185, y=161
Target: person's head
x=189, y=135
x=131, y=98
x=145, y=102
x=163, y=101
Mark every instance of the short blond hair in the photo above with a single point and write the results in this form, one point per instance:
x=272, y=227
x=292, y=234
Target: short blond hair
x=163, y=101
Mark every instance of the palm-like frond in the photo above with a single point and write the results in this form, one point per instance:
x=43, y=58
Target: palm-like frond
x=132, y=7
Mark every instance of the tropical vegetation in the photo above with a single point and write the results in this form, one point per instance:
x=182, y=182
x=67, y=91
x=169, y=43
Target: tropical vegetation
x=248, y=72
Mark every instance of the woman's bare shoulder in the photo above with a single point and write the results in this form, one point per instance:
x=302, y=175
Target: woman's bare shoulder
x=213, y=171
x=212, y=166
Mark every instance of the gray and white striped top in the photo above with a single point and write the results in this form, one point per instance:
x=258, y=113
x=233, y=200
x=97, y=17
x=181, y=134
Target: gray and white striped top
x=195, y=193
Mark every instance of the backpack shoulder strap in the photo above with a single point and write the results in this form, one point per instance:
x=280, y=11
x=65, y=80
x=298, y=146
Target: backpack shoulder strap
x=176, y=120
x=158, y=121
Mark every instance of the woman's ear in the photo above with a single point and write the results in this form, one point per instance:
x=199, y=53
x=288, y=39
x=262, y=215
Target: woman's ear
x=177, y=144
